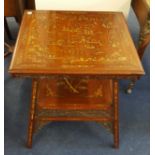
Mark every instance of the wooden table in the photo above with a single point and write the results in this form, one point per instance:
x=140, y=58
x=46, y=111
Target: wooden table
x=75, y=60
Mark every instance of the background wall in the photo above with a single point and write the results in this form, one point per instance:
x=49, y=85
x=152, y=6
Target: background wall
x=85, y=5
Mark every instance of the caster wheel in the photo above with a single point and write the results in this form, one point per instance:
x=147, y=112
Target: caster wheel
x=129, y=91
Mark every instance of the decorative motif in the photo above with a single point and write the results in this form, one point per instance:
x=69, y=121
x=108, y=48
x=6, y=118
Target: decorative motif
x=116, y=122
x=72, y=85
x=32, y=113
x=98, y=92
x=58, y=47
x=74, y=113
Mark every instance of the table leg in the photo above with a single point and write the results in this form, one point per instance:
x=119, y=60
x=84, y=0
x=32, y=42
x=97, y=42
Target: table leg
x=32, y=113
x=116, y=114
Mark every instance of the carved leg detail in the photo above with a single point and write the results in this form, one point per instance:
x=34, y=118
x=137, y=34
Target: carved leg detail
x=116, y=115
x=32, y=114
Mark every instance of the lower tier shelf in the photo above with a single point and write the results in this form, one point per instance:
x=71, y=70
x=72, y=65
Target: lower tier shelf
x=74, y=94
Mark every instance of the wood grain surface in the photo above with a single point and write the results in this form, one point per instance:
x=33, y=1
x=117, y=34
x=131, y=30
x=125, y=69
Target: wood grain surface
x=67, y=42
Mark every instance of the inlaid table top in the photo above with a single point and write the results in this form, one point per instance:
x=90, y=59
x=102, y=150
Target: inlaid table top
x=68, y=42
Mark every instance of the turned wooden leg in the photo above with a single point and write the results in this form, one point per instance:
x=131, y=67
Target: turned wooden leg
x=7, y=29
x=116, y=114
x=32, y=113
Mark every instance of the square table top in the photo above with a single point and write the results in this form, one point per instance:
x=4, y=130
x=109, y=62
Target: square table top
x=72, y=42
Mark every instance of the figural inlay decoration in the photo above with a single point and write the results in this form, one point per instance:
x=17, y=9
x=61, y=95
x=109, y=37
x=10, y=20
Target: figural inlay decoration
x=72, y=40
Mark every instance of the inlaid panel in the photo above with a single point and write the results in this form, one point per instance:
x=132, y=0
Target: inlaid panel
x=74, y=94
x=67, y=42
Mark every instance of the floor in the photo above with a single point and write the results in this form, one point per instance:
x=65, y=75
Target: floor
x=79, y=138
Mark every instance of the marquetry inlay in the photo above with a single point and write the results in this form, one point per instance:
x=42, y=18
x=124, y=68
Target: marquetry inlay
x=73, y=40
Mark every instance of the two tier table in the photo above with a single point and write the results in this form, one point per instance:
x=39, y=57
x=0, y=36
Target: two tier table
x=75, y=60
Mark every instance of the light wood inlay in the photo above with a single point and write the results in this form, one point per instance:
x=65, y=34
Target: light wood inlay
x=74, y=43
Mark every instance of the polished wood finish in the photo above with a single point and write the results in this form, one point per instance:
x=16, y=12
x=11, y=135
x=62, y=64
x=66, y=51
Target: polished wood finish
x=116, y=113
x=76, y=59
x=73, y=93
x=74, y=43
x=32, y=113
